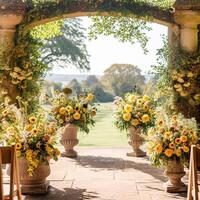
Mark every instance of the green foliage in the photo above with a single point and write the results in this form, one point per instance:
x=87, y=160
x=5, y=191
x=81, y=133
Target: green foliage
x=123, y=28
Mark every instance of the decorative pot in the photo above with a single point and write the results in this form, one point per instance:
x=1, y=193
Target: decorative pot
x=135, y=141
x=69, y=140
x=174, y=171
x=36, y=184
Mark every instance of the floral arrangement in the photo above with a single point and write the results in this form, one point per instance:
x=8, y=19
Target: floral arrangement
x=34, y=136
x=78, y=110
x=134, y=110
x=171, y=139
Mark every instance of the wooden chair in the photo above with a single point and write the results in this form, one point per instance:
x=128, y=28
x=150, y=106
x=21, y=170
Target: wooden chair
x=8, y=156
x=193, y=190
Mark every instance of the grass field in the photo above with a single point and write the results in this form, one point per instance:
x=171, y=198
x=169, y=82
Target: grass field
x=104, y=133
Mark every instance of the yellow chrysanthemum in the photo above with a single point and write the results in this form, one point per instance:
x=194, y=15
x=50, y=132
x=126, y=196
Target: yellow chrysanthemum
x=127, y=117
x=183, y=138
x=135, y=122
x=76, y=116
x=169, y=152
x=128, y=108
x=158, y=148
x=145, y=118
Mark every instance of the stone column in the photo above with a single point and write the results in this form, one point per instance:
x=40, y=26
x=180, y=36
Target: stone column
x=11, y=14
x=188, y=22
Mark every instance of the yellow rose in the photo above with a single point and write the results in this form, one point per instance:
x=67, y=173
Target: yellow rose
x=127, y=117
x=134, y=122
x=145, y=118
x=128, y=108
x=186, y=149
x=76, y=116
x=183, y=138
x=62, y=111
x=158, y=148
x=178, y=152
x=169, y=152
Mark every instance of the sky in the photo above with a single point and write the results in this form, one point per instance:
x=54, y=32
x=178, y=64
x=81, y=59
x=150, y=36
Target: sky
x=106, y=50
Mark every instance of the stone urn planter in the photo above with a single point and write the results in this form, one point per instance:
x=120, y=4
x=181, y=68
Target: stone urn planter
x=69, y=140
x=36, y=184
x=135, y=141
x=174, y=171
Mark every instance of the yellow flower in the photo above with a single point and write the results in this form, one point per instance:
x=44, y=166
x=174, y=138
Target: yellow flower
x=160, y=122
x=70, y=109
x=134, y=122
x=61, y=121
x=18, y=146
x=4, y=113
x=90, y=97
x=32, y=120
x=178, y=152
x=128, y=108
x=18, y=154
x=76, y=116
x=93, y=113
x=169, y=152
x=186, y=149
x=183, y=138
x=34, y=131
x=190, y=75
x=127, y=117
x=48, y=149
x=171, y=145
x=145, y=118
x=28, y=127
x=177, y=140
x=174, y=117
x=187, y=84
x=38, y=145
x=132, y=98
x=146, y=98
x=167, y=134
x=62, y=111
x=158, y=148
x=180, y=80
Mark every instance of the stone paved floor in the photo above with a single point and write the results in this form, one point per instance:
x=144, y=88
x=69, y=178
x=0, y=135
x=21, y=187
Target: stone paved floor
x=105, y=174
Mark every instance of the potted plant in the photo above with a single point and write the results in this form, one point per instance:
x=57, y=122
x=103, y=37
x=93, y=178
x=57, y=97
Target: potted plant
x=134, y=113
x=73, y=113
x=168, y=146
x=35, y=139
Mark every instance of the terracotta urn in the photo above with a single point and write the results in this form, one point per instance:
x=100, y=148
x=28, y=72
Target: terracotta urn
x=135, y=141
x=69, y=140
x=36, y=184
x=174, y=171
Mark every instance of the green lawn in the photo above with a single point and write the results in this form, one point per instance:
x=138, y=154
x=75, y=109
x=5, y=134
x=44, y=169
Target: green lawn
x=104, y=133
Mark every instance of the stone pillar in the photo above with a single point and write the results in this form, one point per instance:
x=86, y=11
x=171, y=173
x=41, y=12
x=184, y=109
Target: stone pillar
x=188, y=22
x=11, y=14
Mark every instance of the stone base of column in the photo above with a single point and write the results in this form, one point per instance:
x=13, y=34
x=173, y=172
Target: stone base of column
x=69, y=153
x=138, y=153
x=168, y=187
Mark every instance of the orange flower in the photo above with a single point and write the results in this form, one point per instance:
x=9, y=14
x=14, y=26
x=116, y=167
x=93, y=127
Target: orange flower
x=183, y=138
x=159, y=148
x=169, y=152
x=171, y=145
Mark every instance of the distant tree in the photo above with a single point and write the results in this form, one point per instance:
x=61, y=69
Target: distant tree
x=119, y=79
x=91, y=80
x=75, y=86
x=68, y=48
x=101, y=95
x=48, y=86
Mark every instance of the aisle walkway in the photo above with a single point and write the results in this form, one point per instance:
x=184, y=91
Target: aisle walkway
x=105, y=174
